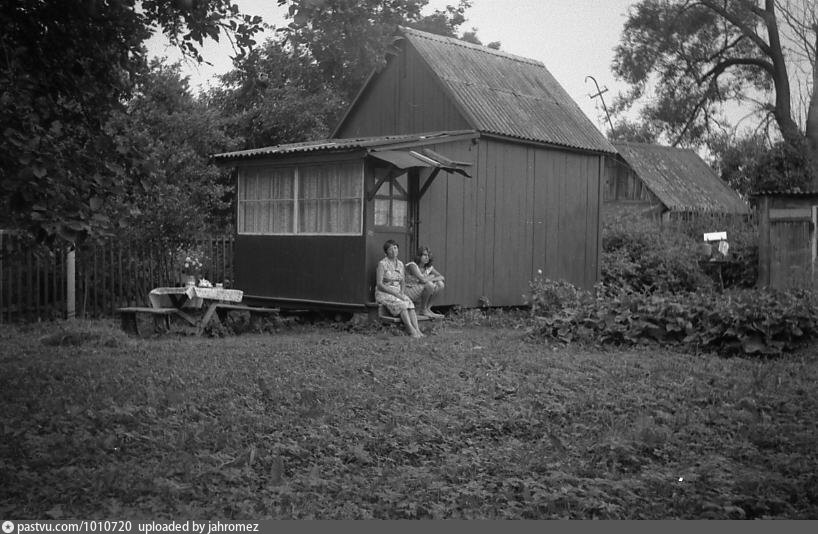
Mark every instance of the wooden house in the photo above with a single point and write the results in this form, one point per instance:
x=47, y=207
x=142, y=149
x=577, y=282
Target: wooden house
x=478, y=154
x=665, y=182
x=787, y=242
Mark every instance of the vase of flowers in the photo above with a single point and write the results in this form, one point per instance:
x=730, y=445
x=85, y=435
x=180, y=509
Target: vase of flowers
x=190, y=264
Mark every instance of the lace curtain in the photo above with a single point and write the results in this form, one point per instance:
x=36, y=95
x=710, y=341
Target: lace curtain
x=329, y=200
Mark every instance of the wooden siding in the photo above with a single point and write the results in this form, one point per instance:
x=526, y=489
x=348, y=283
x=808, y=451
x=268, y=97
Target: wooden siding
x=787, y=241
x=403, y=98
x=526, y=208
x=318, y=268
x=622, y=184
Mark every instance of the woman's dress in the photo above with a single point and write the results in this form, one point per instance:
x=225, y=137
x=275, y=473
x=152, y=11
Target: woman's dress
x=393, y=274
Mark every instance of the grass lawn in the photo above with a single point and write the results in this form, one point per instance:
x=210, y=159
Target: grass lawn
x=319, y=421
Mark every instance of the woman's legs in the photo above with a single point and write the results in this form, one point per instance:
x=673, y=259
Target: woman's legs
x=414, y=318
x=411, y=321
x=426, y=297
x=433, y=289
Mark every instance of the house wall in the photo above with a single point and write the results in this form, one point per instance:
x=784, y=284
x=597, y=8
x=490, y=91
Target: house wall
x=403, y=98
x=624, y=193
x=328, y=269
x=526, y=208
x=325, y=268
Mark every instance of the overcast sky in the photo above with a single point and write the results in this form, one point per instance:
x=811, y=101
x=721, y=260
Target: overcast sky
x=573, y=38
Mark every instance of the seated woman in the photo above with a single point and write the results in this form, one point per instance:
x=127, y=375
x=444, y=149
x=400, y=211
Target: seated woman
x=423, y=282
x=389, y=289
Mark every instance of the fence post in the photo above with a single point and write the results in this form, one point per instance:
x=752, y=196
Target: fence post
x=70, y=283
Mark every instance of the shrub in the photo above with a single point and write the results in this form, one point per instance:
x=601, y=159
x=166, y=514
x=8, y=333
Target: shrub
x=742, y=234
x=639, y=256
x=744, y=321
x=546, y=296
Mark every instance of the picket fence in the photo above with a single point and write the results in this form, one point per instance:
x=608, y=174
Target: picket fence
x=34, y=279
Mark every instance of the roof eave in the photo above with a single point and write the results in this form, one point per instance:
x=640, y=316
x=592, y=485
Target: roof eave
x=546, y=144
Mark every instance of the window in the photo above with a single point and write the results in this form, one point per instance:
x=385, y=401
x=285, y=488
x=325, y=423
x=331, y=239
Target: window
x=391, y=201
x=310, y=199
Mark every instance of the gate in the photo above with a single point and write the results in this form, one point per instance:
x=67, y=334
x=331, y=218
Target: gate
x=791, y=248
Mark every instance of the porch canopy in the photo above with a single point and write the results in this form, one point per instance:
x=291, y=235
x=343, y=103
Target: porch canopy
x=401, y=152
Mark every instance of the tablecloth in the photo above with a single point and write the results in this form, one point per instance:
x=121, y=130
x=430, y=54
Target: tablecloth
x=160, y=297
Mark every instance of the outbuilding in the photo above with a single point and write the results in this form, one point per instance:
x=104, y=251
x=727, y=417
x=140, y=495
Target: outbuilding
x=787, y=238
x=476, y=153
x=666, y=182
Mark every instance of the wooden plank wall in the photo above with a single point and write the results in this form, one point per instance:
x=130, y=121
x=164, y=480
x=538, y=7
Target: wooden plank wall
x=403, y=98
x=787, y=241
x=526, y=208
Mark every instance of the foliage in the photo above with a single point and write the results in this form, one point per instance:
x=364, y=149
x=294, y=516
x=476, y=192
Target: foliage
x=746, y=321
x=750, y=164
x=347, y=39
x=685, y=61
x=742, y=235
x=66, y=67
x=638, y=255
x=181, y=193
x=546, y=296
x=473, y=423
x=274, y=96
x=190, y=260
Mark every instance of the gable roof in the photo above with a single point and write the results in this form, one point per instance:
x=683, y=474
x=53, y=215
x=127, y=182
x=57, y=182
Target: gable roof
x=503, y=94
x=680, y=178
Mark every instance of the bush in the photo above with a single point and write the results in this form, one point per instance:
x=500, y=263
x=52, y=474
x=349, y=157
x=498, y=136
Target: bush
x=742, y=234
x=745, y=321
x=639, y=256
x=546, y=297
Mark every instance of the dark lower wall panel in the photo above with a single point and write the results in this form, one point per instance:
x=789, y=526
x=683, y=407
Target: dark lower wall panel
x=319, y=268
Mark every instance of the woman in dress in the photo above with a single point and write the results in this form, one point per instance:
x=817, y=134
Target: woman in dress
x=389, y=289
x=423, y=282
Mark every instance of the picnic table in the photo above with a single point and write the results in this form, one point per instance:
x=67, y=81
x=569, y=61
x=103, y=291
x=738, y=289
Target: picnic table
x=195, y=305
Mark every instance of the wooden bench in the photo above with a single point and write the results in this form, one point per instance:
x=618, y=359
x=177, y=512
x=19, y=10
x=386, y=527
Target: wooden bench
x=131, y=325
x=256, y=312
x=384, y=316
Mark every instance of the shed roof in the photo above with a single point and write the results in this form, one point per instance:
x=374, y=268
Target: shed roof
x=680, y=178
x=342, y=145
x=503, y=94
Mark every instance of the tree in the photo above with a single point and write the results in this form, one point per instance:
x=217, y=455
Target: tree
x=274, y=96
x=347, y=39
x=702, y=54
x=180, y=194
x=66, y=66
x=298, y=84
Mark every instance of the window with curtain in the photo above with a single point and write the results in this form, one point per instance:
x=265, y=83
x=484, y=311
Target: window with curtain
x=310, y=199
x=391, y=201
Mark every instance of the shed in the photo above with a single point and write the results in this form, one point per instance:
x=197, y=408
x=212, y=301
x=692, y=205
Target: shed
x=666, y=181
x=476, y=153
x=787, y=246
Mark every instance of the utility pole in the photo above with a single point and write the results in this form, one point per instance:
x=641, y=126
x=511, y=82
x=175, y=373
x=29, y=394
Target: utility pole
x=599, y=93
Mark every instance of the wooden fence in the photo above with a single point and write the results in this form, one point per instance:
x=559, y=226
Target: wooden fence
x=35, y=282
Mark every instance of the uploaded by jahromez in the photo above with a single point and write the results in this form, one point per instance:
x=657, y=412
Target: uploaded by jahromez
x=197, y=527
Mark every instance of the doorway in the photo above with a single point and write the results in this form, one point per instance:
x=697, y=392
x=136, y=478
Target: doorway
x=395, y=213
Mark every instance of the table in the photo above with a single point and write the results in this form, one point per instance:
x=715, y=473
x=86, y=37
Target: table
x=184, y=300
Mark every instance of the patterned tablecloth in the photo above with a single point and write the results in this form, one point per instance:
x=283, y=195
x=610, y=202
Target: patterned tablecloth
x=163, y=297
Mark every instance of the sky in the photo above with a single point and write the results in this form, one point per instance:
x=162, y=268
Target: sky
x=573, y=38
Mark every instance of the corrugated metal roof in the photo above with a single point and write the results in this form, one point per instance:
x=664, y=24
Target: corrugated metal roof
x=507, y=95
x=785, y=192
x=680, y=178
x=342, y=144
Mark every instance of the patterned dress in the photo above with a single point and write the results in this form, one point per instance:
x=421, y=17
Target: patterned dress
x=392, y=277
x=413, y=287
